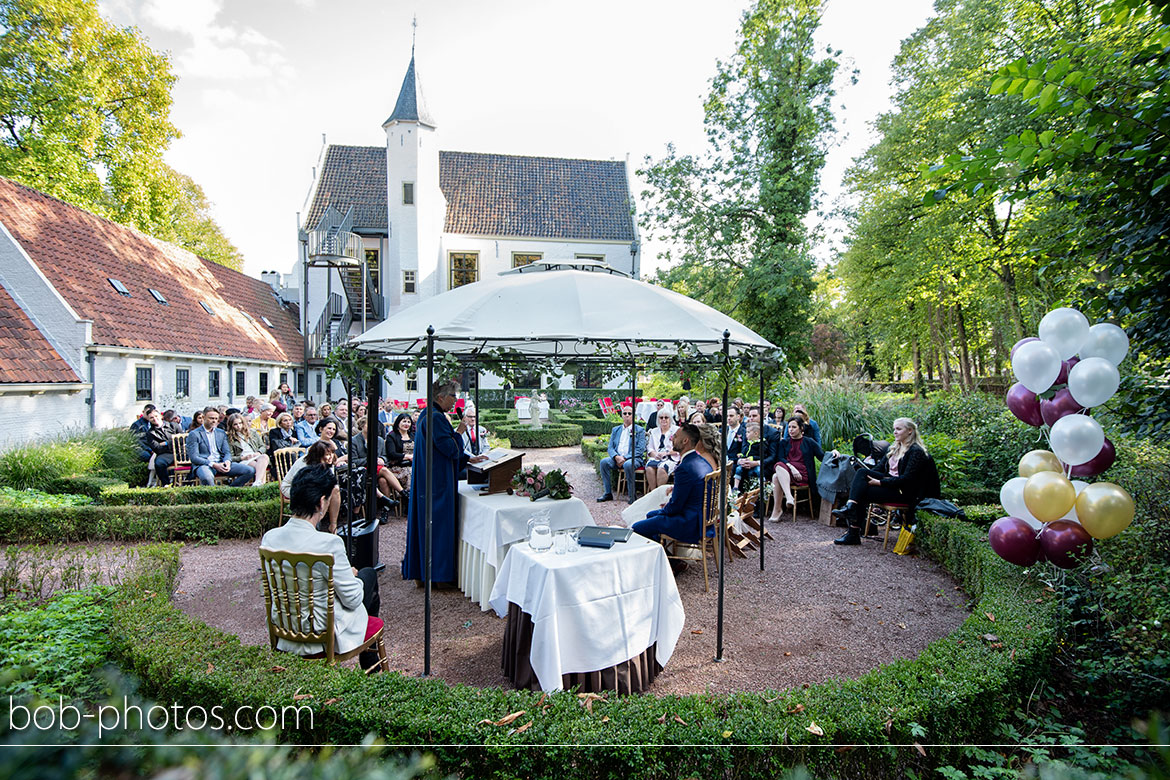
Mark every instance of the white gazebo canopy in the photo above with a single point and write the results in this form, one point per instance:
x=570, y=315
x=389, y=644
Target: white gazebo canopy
x=560, y=311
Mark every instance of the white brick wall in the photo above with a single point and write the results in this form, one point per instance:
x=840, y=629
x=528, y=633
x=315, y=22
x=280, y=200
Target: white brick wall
x=31, y=417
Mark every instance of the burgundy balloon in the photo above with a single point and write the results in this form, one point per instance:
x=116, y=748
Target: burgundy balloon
x=1099, y=464
x=1024, y=404
x=1020, y=343
x=1065, y=543
x=1065, y=367
x=1060, y=405
x=1015, y=541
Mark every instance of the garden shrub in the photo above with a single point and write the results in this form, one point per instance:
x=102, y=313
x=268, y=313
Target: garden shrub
x=53, y=649
x=231, y=520
x=85, y=484
x=591, y=425
x=595, y=448
x=31, y=497
x=121, y=495
x=548, y=435
x=38, y=465
x=840, y=406
x=988, y=430
x=952, y=692
x=34, y=572
x=953, y=462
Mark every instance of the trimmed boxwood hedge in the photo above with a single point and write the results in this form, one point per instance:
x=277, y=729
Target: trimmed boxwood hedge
x=121, y=495
x=595, y=449
x=955, y=690
x=233, y=519
x=548, y=435
x=590, y=424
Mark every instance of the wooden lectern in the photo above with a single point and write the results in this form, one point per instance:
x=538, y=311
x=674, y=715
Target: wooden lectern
x=496, y=474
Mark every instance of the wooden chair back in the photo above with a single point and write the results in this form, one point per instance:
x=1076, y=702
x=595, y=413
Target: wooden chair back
x=282, y=461
x=706, y=544
x=182, y=472
x=289, y=603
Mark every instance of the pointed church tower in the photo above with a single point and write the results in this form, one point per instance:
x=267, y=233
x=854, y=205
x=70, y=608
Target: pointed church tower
x=415, y=206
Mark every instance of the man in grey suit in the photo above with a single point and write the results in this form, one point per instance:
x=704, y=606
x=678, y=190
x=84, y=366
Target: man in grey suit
x=355, y=592
x=624, y=437
x=210, y=455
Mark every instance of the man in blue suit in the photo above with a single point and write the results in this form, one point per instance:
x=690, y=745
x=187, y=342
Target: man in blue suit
x=681, y=517
x=209, y=453
x=620, y=455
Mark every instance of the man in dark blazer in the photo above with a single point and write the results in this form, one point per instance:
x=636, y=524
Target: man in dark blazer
x=210, y=454
x=681, y=517
x=737, y=444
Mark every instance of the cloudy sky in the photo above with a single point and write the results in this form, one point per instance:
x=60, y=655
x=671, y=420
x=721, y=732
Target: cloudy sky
x=260, y=82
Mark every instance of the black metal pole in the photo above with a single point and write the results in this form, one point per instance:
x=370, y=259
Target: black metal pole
x=722, y=535
x=761, y=501
x=349, y=546
x=427, y=419
x=373, y=397
x=476, y=431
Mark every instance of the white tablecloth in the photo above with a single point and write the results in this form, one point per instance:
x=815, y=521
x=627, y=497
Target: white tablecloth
x=490, y=524
x=593, y=608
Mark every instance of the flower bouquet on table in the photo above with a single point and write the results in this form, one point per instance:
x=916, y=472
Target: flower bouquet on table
x=534, y=483
x=528, y=482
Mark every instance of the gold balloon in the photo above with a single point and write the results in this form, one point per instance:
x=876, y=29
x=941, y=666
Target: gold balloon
x=1049, y=495
x=1105, y=509
x=1039, y=460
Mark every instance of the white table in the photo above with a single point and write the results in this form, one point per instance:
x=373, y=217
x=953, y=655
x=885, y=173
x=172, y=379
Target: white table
x=594, y=608
x=490, y=524
x=644, y=409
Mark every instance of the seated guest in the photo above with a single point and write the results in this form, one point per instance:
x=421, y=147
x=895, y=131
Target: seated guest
x=475, y=437
x=795, y=465
x=714, y=410
x=327, y=430
x=157, y=439
x=283, y=435
x=620, y=455
x=652, y=420
x=341, y=414
x=139, y=427
x=224, y=412
x=286, y=396
x=682, y=409
x=173, y=422
x=771, y=448
x=277, y=404
x=812, y=430
x=748, y=465
x=211, y=454
x=196, y=421
x=388, y=485
x=904, y=476
x=251, y=407
x=298, y=413
x=736, y=435
x=248, y=447
x=681, y=517
x=263, y=421
x=307, y=428
x=355, y=593
x=399, y=448
x=660, y=453
x=698, y=418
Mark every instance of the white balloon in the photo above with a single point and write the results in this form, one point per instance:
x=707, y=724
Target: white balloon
x=1093, y=381
x=1106, y=340
x=1011, y=496
x=1072, y=513
x=1036, y=365
x=1065, y=330
x=1076, y=438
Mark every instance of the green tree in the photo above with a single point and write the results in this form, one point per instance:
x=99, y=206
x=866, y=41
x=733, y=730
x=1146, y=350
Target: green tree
x=736, y=215
x=84, y=116
x=1099, y=105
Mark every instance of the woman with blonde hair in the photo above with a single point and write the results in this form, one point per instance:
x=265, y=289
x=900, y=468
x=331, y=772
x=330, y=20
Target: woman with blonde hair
x=248, y=446
x=902, y=477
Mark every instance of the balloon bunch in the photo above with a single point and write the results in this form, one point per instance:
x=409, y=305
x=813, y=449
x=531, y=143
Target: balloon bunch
x=1064, y=373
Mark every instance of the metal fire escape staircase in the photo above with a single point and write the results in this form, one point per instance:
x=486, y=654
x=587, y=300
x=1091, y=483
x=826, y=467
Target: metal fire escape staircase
x=334, y=243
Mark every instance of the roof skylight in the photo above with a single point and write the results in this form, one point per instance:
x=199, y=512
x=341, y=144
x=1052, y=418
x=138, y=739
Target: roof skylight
x=158, y=296
x=267, y=321
x=207, y=308
x=121, y=288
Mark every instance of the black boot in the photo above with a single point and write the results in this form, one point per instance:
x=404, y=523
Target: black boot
x=846, y=512
x=852, y=536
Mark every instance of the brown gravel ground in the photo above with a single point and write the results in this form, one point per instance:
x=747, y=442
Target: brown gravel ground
x=816, y=612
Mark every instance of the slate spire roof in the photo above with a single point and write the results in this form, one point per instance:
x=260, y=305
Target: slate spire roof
x=411, y=107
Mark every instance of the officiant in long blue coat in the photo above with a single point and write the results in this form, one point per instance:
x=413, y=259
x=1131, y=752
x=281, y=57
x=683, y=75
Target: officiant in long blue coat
x=449, y=460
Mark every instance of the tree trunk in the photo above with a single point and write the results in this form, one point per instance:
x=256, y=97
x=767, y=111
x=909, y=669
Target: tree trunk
x=964, y=354
x=919, y=390
x=947, y=375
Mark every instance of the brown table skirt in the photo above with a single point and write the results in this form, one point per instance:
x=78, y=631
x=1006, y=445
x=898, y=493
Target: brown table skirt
x=632, y=676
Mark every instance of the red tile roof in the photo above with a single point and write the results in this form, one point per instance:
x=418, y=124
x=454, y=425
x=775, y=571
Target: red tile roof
x=26, y=356
x=79, y=252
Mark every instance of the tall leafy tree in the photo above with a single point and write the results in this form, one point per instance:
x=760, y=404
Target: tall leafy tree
x=735, y=216
x=84, y=116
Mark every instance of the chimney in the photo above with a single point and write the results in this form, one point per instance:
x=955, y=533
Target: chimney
x=272, y=279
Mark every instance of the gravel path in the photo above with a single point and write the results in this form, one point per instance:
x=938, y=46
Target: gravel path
x=818, y=611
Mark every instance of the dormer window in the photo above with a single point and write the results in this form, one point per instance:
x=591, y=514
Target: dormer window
x=158, y=296
x=121, y=288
